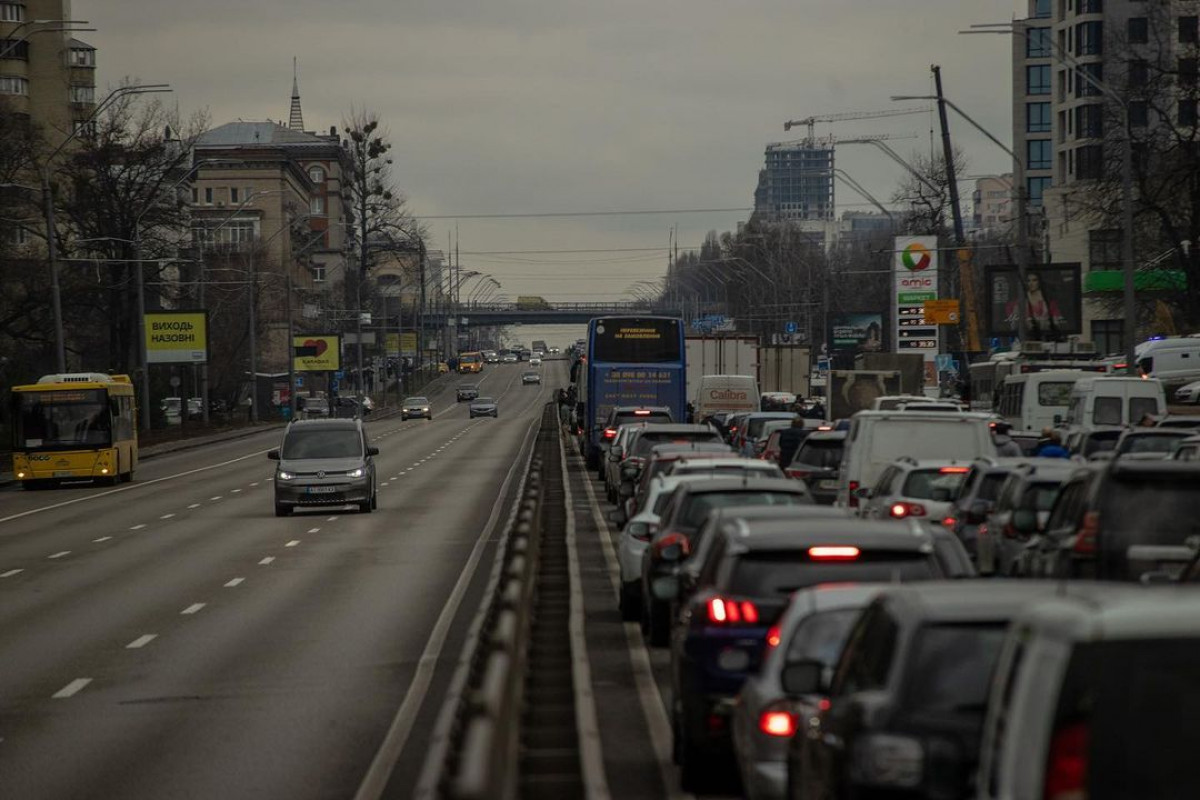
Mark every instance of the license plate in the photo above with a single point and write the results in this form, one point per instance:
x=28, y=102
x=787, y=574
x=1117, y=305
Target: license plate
x=827, y=484
x=63, y=473
x=322, y=489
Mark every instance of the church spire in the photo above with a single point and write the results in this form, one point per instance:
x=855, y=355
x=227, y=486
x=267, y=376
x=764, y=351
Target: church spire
x=296, y=119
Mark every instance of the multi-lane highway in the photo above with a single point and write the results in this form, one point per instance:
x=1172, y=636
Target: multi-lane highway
x=172, y=638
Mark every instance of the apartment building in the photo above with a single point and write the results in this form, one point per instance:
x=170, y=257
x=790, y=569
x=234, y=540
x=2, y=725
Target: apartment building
x=46, y=75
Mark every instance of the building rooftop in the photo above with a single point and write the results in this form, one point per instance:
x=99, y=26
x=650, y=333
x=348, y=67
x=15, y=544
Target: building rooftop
x=251, y=133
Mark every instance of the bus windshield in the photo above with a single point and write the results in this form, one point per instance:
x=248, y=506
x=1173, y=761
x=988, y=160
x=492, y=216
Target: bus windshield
x=59, y=420
x=630, y=340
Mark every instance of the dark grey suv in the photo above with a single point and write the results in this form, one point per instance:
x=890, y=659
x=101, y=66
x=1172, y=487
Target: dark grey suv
x=324, y=462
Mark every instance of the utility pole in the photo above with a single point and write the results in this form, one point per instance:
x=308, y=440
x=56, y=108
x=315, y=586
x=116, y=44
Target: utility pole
x=960, y=238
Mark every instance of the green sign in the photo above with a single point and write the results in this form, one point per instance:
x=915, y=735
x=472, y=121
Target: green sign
x=915, y=297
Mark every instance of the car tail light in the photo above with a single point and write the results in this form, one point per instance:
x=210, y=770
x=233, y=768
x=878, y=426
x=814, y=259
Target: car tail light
x=798, y=474
x=952, y=470
x=777, y=722
x=949, y=522
x=1067, y=766
x=641, y=413
x=726, y=611
x=902, y=509
x=610, y=433
x=672, y=538
x=852, y=500
x=834, y=552
x=774, y=637
x=1085, y=536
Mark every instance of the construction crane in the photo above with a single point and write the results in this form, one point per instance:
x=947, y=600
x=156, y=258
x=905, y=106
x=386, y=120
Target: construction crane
x=811, y=122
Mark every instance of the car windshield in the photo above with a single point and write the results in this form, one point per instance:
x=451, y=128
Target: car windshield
x=483, y=401
x=648, y=439
x=63, y=419
x=1148, y=508
x=1040, y=496
x=755, y=427
x=821, y=636
x=951, y=667
x=922, y=483
x=1160, y=443
x=822, y=454
x=416, y=401
x=700, y=504
x=322, y=443
x=764, y=573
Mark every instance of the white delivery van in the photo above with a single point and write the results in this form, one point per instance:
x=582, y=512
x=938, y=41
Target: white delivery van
x=877, y=438
x=1173, y=361
x=1111, y=401
x=733, y=393
x=1033, y=401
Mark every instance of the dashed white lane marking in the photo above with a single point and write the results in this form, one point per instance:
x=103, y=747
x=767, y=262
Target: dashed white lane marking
x=60, y=554
x=234, y=491
x=234, y=583
x=267, y=560
x=10, y=573
x=316, y=530
x=193, y=608
x=141, y=641
x=410, y=469
x=166, y=516
x=218, y=497
x=71, y=689
x=101, y=539
x=194, y=505
x=138, y=527
x=384, y=484
x=332, y=519
x=292, y=543
x=254, y=484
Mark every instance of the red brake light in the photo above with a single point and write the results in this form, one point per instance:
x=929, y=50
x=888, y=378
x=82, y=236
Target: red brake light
x=902, y=510
x=774, y=636
x=1066, y=769
x=952, y=470
x=949, y=522
x=833, y=552
x=1085, y=537
x=724, y=611
x=610, y=433
x=777, y=723
x=672, y=538
x=797, y=474
x=641, y=413
x=852, y=500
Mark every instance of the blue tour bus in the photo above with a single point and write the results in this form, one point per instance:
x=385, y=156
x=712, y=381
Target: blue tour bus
x=630, y=361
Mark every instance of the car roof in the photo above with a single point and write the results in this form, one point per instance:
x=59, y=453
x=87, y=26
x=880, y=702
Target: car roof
x=1165, y=468
x=806, y=512
x=751, y=483
x=330, y=424
x=787, y=534
x=732, y=458
x=677, y=448
x=1053, y=468
x=1106, y=611
x=827, y=436
x=771, y=415
x=675, y=427
x=966, y=600
x=630, y=409
x=909, y=416
x=1176, y=433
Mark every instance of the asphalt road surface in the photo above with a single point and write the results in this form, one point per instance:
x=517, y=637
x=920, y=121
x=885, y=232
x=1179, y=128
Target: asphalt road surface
x=173, y=639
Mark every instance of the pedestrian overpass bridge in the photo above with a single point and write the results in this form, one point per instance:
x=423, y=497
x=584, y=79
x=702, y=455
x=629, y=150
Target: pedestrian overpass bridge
x=549, y=314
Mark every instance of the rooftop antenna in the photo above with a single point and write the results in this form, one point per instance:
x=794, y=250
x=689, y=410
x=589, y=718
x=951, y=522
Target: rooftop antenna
x=296, y=118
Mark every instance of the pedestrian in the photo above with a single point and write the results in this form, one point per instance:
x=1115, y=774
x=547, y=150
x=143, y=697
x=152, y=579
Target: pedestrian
x=1005, y=446
x=1050, y=445
x=791, y=438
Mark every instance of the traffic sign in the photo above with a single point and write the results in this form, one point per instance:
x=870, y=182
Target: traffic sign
x=942, y=312
x=790, y=327
x=299, y=381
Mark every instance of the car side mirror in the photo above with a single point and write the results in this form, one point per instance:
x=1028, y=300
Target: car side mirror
x=372, y=451
x=803, y=677
x=863, y=493
x=273, y=455
x=626, y=489
x=1025, y=521
x=665, y=587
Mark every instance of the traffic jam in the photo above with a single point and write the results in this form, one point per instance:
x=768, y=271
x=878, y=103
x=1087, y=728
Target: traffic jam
x=916, y=596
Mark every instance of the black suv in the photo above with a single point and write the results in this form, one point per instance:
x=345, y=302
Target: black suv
x=1109, y=521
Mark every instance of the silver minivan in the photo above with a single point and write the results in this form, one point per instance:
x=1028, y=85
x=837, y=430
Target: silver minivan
x=324, y=462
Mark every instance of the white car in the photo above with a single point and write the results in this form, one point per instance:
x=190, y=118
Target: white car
x=724, y=467
x=1188, y=393
x=535, y=361
x=635, y=538
x=909, y=488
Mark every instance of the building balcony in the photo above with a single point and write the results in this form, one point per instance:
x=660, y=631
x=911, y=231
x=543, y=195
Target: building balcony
x=1149, y=280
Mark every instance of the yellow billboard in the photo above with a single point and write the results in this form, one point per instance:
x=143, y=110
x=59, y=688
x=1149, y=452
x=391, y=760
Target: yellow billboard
x=176, y=337
x=316, y=353
x=405, y=343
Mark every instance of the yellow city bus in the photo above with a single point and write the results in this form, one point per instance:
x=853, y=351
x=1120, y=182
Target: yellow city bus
x=470, y=362
x=74, y=426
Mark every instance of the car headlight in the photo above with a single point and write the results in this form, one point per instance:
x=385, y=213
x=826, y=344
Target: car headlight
x=285, y=476
x=356, y=473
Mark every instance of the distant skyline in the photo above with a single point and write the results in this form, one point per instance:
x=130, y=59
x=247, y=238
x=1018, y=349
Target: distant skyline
x=534, y=106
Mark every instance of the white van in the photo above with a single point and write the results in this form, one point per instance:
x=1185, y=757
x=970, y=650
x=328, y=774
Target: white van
x=1033, y=401
x=1173, y=361
x=1107, y=402
x=733, y=393
x=877, y=438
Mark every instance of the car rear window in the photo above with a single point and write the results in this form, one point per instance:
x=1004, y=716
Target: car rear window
x=1107, y=411
x=649, y=439
x=1055, y=393
x=1146, y=687
x=698, y=506
x=313, y=443
x=822, y=636
x=653, y=416
x=941, y=439
x=1140, y=407
x=826, y=455
x=754, y=427
x=1040, y=496
x=1152, y=444
x=763, y=573
x=951, y=667
x=1149, y=508
x=989, y=489
x=921, y=483
x=1101, y=442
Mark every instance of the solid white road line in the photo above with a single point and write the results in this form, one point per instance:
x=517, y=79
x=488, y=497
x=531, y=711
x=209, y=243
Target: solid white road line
x=267, y=560
x=193, y=608
x=60, y=554
x=141, y=641
x=10, y=573
x=377, y=775
x=101, y=539
x=71, y=689
x=234, y=582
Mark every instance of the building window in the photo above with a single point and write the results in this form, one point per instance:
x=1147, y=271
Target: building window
x=195, y=195
x=316, y=174
x=1036, y=189
x=18, y=236
x=14, y=49
x=233, y=194
x=1037, y=117
x=1091, y=6
x=1104, y=249
x=1037, y=45
x=11, y=84
x=1108, y=335
x=318, y=273
x=83, y=94
x=1089, y=122
x=316, y=205
x=1089, y=38
x=1139, y=30
x=1089, y=162
x=1084, y=87
x=1187, y=112
x=1139, y=114
x=1041, y=9
x=208, y=195
x=247, y=193
x=1037, y=79
x=12, y=12
x=1189, y=30
x=83, y=128
x=1188, y=72
x=1039, y=154
x=83, y=57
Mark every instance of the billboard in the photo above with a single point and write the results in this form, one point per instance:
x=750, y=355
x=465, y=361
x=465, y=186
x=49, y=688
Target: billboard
x=915, y=272
x=1053, y=295
x=316, y=352
x=176, y=337
x=862, y=333
x=405, y=343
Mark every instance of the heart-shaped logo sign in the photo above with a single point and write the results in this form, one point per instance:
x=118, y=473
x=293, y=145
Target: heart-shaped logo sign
x=319, y=344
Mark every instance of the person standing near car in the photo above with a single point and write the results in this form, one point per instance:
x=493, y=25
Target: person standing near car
x=1005, y=446
x=790, y=439
x=1049, y=446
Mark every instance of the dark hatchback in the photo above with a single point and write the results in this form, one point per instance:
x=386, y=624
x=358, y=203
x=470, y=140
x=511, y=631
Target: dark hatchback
x=817, y=462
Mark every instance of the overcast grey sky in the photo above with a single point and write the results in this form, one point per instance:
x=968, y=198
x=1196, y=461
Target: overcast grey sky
x=521, y=106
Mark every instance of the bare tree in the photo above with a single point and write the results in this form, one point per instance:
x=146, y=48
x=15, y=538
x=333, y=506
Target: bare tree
x=927, y=197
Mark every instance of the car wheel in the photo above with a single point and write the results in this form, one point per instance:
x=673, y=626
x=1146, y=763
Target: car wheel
x=282, y=510
x=630, y=601
x=365, y=506
x=374, y=499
